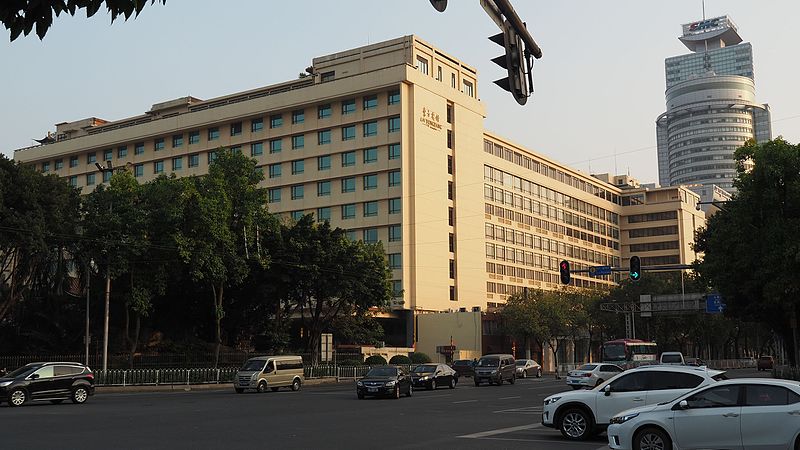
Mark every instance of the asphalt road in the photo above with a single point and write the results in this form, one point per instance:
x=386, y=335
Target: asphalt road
x=328, y=416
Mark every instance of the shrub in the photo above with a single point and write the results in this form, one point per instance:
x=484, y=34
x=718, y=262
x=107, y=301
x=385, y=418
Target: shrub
x=375, y=360
x=420, y=358
x=400, y=359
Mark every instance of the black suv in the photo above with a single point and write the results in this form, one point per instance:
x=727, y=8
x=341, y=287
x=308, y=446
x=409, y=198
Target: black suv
x=495, y=369
x=53, y=381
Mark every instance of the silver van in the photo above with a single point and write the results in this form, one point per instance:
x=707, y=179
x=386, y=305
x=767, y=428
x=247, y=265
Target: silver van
x=272, y=372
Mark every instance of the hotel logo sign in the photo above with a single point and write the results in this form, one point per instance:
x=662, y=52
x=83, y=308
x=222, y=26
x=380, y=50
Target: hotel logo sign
x=430, y=119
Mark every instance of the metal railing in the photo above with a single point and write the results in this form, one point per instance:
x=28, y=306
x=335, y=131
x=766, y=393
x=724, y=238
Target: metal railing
x=786, y=373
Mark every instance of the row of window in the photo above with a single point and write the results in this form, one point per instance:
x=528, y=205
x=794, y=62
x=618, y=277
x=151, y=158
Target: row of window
x=468, y=86
x=369, y=182
x=511, y=289
x=707, y=139
x=655, y=246
x=677, y=125
x=697, y=159
x=394, y=232
x=528, y=274
x=708, y=130
x=349, y=210
x=522, y=239
x=654, y=231
x=728, y=149
x=652, y=217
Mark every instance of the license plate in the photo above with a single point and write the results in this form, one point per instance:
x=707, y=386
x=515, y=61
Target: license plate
x=572, y=381
x=372, y=389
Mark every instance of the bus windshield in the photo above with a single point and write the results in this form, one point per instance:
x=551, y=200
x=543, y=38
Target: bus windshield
x=614, y=352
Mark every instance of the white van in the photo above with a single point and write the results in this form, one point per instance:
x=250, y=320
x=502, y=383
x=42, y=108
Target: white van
x=672, y=358
x=272, y=372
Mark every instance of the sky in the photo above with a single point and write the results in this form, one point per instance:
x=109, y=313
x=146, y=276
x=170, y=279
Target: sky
x=598, y=88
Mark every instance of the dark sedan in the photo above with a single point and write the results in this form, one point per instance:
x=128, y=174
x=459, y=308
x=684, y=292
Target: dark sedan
x=384, y=381
x=464, y=367
x=52, y=381
x=431, y=376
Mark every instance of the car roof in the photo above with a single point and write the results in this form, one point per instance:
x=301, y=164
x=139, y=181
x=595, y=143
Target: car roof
x=687, y=369
x=280, y=357
x=52, y=363
x=498, y=355
x=767, y=381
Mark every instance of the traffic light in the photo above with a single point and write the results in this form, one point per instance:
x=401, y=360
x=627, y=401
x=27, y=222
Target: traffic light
x=440, y=5
x=564, y=268
x=635, y=268
x=513, y=61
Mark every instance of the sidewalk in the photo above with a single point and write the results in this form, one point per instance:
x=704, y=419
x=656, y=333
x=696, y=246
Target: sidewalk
x=200, y=387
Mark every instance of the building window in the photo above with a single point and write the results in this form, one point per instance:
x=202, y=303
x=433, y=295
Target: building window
x=395, y=233
x=452, y=269
x=108, y=155
x=449, y=113
x=298, y=116
x=73, y=161
x=59, y=164
x=107, y=174
x=348, y=184
x=237, y=150
x=370, y=209
x=177, y=163
x=371, y=235
x=349, y=211
x=236, y=128
x=159, y=144
x=439, y=73
x=276, y=120
x=452, y=242
x=73, y=181
x=91, y=158
x=257, y=149
x=324, y=137
x=327, y=76
x=90, y=179
x=122, y=152
x=138, y=170
x=177, y=140
x=46, y=166
x=194, y=137
x=298, y=141
x=212, y=156
x=394, y=97
x=274, y=170
x=422, y=65
x=274, y=195
x=298, y=166
x=323, y=188
x=213, y=134
x=450, y=164
x=397, y=288
x=275, y=145
x=394, y=151
x=449, y=138
x=324, y=111
x=370, y=155
x=298, y=192
x=395, y=261
x=371, y=129
x=395, y=205
x=370, y=102
x=469, y=89
x=158, y=167
x=450, y=190
x=348, y=133
x=394, y=124
x=394, y=178
x=452, y=293
x=348, y=106
x=324, y=214
x=138, y=148
x=453, y=80
x=324, y=162
x=256, y=124
x=370, y=182
x=194, y=160
x=450, y=216
x=348, y=159
x=297, y=215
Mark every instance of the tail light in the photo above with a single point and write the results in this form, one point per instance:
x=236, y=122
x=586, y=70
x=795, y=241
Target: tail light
x=587, y=375
x=90, y=376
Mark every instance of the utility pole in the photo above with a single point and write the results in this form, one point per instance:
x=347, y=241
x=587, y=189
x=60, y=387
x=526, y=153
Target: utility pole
x=109, y=168
x=86, y=337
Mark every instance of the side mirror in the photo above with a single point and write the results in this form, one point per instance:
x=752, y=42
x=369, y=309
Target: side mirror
x=34, y=376
x=607, y=390
x=683, y=404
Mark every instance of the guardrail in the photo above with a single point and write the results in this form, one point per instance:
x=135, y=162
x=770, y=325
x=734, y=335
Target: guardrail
x=786, y=372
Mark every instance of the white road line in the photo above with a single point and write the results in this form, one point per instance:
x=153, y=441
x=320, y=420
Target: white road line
x=466, y=401
x=549, y=441
x=485, y=434
x=509, y=398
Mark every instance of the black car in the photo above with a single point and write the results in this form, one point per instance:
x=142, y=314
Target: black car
x=385, y=381
x=464, y=367
x=53, y=381
x=430, y=376
x=495, y=369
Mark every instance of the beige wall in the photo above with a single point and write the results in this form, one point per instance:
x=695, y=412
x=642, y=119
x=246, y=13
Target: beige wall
x=437, y=329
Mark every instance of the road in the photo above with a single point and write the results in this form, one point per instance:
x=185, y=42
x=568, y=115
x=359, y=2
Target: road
x=327, y=416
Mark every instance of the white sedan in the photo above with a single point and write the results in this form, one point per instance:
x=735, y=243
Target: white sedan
x=741, y=414
x=591, y=375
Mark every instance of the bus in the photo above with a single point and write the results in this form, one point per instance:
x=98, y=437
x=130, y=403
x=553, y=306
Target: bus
x=628, y=353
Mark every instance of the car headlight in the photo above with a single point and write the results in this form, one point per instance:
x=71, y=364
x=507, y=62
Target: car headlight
x=424, y=378
x=391, y=383
x=494, y=372
x=551, y=400
x=359, y=383
x=623, y=419
x=253, y=376
x=5, y=383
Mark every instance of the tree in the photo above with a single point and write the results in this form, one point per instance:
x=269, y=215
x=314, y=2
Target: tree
x=751, y=250
x=522, y=318
x=20, y=16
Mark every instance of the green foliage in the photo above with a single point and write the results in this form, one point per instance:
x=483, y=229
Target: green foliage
x=375, y=360
x=400, y=359
x=20, y=16
x=419, y=358
x=356, y=328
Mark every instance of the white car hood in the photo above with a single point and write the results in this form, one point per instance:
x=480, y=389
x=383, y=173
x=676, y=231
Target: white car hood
x=582, y=394
x=638, y=410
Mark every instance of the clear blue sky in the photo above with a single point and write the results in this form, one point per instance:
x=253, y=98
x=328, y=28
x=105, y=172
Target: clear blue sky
x=599, y=86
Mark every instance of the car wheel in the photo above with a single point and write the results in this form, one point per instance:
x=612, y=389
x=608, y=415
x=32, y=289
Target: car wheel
x=525, y=374
x=651, y=439
x=539, y=373
x=575, y=424
x=575, y=388
x=57, y=402
x=262, y=387
x=360, y=396
x=274, y=388
x=296, y=384
x=410, y=390
x=477, y=383
x=238, y=390
x=396, y=392
x=80, y=395
x=17, y=397
x=432, y=385
x=452, y=383
x=599, y=381
x=500, y=381
x=513, y=379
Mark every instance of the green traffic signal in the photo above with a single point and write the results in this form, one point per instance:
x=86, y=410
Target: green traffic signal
x=635, y=268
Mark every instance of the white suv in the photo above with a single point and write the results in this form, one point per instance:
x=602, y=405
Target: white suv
x=580, y=414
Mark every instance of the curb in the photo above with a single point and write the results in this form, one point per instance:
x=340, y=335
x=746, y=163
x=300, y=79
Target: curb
x=197, y=387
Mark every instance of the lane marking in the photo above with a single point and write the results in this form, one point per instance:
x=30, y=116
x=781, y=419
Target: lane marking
x=509, y=398
x=553, y=441
x=484, y=434
x=524, y=410
x=465, y=401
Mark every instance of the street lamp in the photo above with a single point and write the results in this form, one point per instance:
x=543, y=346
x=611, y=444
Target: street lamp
x=109, y=168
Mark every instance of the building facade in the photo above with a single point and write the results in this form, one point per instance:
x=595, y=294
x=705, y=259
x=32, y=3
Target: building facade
x=387, y=142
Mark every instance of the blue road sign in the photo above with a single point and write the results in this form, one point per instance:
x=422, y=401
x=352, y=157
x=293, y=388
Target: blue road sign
x=596, y=271
x=714, y=303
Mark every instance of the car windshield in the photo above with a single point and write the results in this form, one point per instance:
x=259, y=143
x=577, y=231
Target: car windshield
x=24, y=371
x=425, y=369
x=614, y=352
x=382, y=372
x=462, y=362
x=489, y=362
x=253, y=365
x=522, y=362
x=587, y=367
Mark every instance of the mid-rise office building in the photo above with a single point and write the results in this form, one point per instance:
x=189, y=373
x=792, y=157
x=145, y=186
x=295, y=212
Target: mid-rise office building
x=386, y=141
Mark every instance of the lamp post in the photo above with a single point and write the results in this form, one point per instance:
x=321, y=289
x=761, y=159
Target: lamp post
x=109, y=168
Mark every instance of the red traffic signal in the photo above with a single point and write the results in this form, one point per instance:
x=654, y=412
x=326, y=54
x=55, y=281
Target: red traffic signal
x=564, y=269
